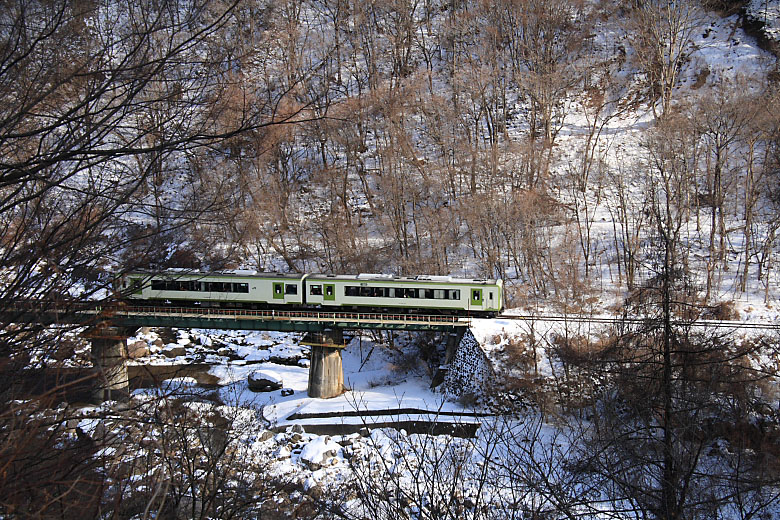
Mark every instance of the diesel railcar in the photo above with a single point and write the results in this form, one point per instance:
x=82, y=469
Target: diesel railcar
x=439, y=294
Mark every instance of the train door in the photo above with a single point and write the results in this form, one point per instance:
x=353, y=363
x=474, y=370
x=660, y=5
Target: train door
x=330, y=292
x=476, y=297
x=278, y=291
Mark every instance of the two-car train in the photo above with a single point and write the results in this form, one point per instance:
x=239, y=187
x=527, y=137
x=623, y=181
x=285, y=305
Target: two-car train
x=435, y=294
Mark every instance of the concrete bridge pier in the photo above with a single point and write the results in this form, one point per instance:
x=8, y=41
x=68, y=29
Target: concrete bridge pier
x=109, y=355
x=326, y=373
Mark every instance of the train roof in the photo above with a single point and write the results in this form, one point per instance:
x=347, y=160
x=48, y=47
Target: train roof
x=363, y=277
x=373, y=277
x=231, y=272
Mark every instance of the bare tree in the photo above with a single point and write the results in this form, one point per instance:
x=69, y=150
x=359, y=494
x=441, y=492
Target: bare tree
x=110, y=113
x=542, y=37
x=660, y=33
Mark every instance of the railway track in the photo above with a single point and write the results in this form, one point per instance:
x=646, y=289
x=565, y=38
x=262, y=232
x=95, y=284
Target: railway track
x=718, y=324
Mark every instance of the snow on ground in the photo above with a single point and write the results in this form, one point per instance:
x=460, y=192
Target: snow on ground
x=768, y=13
x=725, y=51
x=371, y=384
x=371, y=376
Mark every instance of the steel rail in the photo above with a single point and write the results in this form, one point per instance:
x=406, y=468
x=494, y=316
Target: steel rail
x=731, y=324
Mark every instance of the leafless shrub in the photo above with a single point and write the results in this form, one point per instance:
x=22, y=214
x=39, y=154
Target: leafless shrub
x=721, y=311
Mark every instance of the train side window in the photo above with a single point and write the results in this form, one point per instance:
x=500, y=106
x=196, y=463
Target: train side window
x=490, y=295
x=158, y=285
x=317, y=290
x=351, y=290
x=242, y=288
x=291, y=289
x=429, y=294
x=456, y=294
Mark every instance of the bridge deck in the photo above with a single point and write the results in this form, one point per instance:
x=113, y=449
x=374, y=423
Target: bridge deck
x=219, y=318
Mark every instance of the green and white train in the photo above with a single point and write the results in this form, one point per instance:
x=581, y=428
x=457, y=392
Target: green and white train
x=374, y=292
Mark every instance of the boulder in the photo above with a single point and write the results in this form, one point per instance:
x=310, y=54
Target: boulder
x=173, y=350
x=319, y=451
x=138, y=349
x=260, y=381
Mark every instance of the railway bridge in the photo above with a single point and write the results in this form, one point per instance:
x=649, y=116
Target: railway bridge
x=109, y=326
